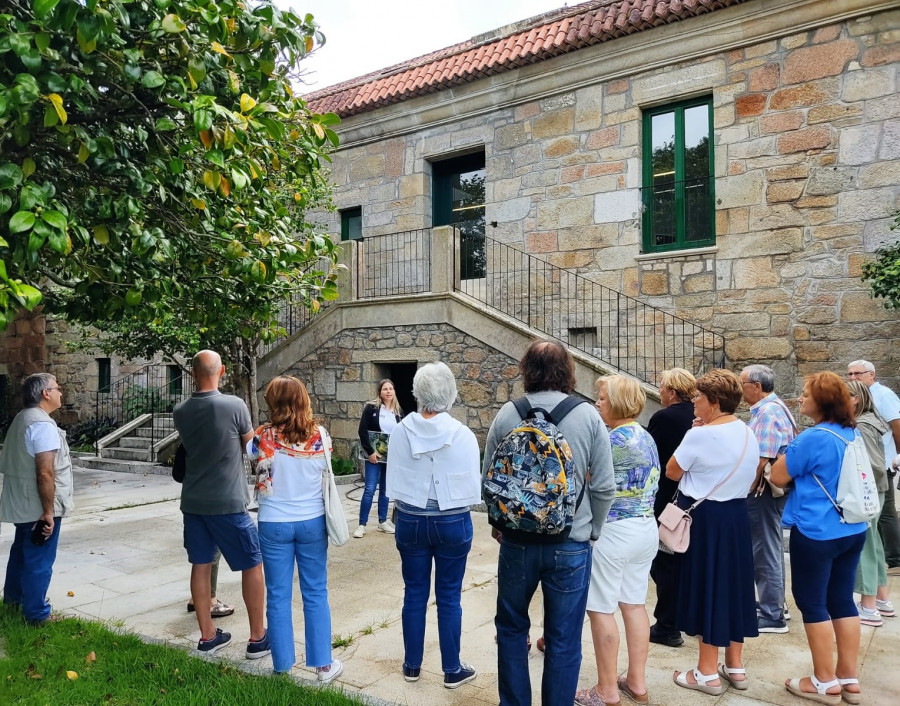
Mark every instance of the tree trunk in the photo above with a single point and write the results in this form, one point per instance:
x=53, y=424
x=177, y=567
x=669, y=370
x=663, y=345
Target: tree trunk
x=252, y=350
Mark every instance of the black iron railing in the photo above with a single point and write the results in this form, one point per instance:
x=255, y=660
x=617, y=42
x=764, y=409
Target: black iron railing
x=153, y=389
x=394, y=264
x=622, y=331
x=294, y=314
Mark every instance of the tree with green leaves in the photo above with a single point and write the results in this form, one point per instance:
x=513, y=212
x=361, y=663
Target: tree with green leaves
x=156, y=166
x=883, y=273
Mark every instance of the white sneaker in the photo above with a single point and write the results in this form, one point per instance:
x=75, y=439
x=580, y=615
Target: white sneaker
x=386, y=526
x=360, y=532
x=336, y=669
x=886, y=608
x=872, y=618
x=787, y=614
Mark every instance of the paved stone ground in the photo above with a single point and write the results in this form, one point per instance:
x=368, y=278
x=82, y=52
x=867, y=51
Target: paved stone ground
x=121, y=557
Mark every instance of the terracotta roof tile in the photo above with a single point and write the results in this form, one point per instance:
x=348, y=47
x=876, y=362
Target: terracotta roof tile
x=543, y=37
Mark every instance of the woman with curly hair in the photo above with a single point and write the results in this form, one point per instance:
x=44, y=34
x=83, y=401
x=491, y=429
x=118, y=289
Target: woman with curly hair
x=291, y=453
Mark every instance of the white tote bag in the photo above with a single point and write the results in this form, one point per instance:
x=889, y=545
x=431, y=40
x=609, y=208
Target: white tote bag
x=335, y=522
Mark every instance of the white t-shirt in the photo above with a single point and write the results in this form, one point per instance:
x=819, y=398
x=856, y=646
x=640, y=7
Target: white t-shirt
x=387, y=420
x=708, y=454
x=40, y=437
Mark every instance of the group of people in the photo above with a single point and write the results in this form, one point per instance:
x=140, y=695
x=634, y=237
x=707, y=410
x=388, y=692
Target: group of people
x=740, y=482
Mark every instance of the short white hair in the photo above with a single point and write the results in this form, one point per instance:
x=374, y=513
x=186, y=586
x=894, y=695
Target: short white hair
x=864, y=364
x=434, y=388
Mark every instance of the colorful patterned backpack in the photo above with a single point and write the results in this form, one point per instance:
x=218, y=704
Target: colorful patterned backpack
x=529, y=487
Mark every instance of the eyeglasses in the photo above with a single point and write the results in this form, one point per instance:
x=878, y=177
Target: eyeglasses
x=857, y=373
x=697, y=397
x=55, y=388
x=749, y=382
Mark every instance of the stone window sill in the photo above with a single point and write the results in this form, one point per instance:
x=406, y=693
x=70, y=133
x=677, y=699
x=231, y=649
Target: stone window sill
x=687, y=252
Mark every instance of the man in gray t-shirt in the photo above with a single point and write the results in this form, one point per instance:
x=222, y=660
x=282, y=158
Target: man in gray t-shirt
x=214, y=430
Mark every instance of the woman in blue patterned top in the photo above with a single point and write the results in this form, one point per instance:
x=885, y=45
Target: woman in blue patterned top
x=626, y=548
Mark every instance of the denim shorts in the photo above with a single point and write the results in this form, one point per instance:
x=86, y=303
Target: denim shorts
x=234, y=534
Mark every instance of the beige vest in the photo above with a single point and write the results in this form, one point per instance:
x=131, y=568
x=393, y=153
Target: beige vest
x=20, y=501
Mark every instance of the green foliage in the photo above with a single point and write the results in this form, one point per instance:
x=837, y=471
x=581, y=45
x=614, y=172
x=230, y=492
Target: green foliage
x=343, y=466
x=137, y=400
x=883, y=273
x=155, y=165
x=117, y=668
x=86, y=434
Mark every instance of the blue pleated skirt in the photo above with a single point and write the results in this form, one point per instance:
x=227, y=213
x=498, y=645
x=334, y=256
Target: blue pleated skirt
x=717, y=595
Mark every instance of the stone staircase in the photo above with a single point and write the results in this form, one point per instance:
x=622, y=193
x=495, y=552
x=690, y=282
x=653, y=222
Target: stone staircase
x=140, y=446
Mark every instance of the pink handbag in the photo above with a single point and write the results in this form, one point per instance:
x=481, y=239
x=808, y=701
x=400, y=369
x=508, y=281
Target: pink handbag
x=675, y=523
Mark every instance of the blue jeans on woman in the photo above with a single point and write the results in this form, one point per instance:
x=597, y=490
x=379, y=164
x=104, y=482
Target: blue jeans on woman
x=375, y=477
x=283, y=543
x=29, y=570
x=564, y=570
x=445, y=541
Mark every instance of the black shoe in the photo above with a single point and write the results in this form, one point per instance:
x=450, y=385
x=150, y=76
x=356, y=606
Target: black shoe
x=669, y=639
x=411, y=673
x=466, y=673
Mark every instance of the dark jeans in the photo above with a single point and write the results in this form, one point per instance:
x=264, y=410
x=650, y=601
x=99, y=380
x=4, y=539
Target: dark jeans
x=443, y=541
x=28, y=571
x=822, y=575
x=563, y=570
x=889, y=527
x=375, y=478
x=666, y=574
x=768, y=552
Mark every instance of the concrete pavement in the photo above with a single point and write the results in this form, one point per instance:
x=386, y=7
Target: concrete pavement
x=122, y=561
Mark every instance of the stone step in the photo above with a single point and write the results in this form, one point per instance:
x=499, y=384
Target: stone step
x=126, y=454
x=109, y=464
x=147, y=432
x=134, y=442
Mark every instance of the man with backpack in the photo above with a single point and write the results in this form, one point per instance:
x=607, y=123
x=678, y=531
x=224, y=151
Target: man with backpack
x=548, y=485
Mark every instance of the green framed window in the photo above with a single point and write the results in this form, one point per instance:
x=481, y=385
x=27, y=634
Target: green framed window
x=351, y=223
x=678, y=176
x=176, y=380
x=459, y=201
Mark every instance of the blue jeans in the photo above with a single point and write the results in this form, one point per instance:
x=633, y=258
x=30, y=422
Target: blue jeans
x=375, y=477
x=305, y=542
x=28, y=572
x=444, y=540
x=564, y=571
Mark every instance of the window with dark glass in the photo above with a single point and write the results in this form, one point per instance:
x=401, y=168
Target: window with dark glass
x=104, y=373
x=351, y=223
x=678, y=168
x=459, y=201
x=176, y=376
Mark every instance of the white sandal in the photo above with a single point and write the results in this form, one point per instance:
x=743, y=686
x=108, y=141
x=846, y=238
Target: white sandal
x=851, y=697
x=725, y=672
x=702, y=682
x=821, y=694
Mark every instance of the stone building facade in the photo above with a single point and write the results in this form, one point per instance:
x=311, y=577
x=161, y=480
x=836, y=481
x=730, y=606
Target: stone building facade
x=805, y=128
x=35, y=343
x=343, y=373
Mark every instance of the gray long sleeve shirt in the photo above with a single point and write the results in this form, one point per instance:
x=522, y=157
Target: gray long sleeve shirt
x=589, y=441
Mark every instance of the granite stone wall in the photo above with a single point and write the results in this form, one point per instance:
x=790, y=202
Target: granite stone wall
x=807, y=168
x=341, y=374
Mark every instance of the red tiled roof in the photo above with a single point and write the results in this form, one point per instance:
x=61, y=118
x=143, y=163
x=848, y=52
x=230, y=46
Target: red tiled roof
x=549, y=35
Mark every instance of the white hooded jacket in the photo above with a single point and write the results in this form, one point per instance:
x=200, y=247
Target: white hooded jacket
x=439, y=453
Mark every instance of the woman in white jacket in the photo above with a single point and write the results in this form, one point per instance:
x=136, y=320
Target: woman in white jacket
x=433, y=475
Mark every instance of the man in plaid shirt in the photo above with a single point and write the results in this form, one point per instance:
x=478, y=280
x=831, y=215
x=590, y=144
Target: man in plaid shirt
x=775, y=428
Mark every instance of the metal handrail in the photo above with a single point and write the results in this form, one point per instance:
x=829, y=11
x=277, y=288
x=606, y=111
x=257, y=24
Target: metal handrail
x=149, y=389
x=394, y=264
x=625, y=333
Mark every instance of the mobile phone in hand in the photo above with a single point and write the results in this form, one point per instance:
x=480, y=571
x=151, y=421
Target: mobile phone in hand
x=38, y=538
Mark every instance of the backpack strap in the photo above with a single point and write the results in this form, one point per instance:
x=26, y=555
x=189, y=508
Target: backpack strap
x=563, y=408
x=523, y=406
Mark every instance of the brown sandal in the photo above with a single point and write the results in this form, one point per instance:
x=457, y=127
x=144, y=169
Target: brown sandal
x=622, y=683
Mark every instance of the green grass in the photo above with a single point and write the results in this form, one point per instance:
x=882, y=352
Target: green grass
x=34, y=662
x=338, y=641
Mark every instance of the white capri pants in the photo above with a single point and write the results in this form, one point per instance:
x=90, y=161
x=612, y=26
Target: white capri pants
x=620, y=565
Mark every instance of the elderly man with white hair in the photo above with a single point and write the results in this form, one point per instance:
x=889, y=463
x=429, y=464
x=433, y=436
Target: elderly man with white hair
x=433, y=475
x=887, y=404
